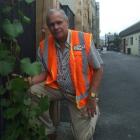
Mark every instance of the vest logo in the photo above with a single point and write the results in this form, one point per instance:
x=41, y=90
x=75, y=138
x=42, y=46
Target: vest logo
x=78, y=48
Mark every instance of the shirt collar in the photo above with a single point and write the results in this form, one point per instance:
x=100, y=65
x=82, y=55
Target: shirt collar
x=67, y=43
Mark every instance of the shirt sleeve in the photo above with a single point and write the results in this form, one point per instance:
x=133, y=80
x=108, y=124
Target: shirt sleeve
x=95, y=61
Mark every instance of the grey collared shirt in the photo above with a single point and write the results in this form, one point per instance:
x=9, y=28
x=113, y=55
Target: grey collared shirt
x=63, y=75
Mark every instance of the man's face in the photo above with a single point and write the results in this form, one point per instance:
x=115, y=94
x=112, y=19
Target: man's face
x=58, y=26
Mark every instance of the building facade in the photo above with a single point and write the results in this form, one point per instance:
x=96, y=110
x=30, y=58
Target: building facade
x=83, y=15
x=97, y=24
x=86, y=16
x=70, y=3
x=131, y=39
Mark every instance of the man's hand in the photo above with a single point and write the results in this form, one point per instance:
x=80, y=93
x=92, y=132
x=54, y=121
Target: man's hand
x=91, y=107
x=36, y=79
x=29, y=80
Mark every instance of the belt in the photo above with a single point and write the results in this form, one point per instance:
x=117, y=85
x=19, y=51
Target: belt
x=69, y=96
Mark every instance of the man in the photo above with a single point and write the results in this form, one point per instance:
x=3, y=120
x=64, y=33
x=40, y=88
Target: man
x=72, y=70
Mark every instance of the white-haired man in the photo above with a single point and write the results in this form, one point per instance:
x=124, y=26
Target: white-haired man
x=72, y=70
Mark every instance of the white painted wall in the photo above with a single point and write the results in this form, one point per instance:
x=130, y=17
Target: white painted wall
x=135, y=48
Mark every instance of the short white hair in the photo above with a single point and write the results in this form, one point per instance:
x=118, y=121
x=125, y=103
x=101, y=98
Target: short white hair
x=52, y=11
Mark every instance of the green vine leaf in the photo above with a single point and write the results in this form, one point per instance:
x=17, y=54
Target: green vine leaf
x=17, y=50
x=11, y=112
x=26, y=19
x=6, y=67
x=14, y=29
x=30, y=68
x=27, y=102
x=7, y=62
x=35, y=68
x=4, y=103
x=44, y=104
x=6, y=9
x=32, y=113
x=4, y=54
x=18, y=85
x=33, y=122
x=2, y=90
x=25, y=63
x=37, y=109
x=13, y=130
x=3, y=45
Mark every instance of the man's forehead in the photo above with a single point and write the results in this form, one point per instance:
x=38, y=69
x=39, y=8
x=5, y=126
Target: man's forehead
x=58, y=14
x=55, y=17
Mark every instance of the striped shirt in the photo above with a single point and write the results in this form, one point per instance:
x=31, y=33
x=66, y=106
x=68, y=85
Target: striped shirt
x=63, y=74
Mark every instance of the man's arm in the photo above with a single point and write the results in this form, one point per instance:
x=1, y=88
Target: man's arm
x=96, y=64
x=96, y=80
x=38, y=78
x=91, y=105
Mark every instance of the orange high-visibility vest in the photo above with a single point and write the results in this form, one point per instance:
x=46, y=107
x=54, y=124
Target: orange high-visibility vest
x=81, y=73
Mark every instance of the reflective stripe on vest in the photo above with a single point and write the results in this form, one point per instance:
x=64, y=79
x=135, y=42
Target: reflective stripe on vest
x=79, y=68
x=52, y=64
x=51, y=75
x=80, y=72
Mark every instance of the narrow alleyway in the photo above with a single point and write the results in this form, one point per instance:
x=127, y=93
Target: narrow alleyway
x=119, y=100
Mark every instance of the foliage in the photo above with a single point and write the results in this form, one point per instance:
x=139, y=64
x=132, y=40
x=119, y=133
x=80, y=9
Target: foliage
x=113, y=41
x=19, y=112
x=117, y=40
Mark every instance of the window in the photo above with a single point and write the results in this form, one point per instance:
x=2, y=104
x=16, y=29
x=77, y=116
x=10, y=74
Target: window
x=131, y=41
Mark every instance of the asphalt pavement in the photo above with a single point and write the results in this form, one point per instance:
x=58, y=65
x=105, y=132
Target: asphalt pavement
x=119, y=100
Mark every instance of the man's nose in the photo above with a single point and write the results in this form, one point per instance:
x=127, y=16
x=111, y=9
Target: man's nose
x=56, y=26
